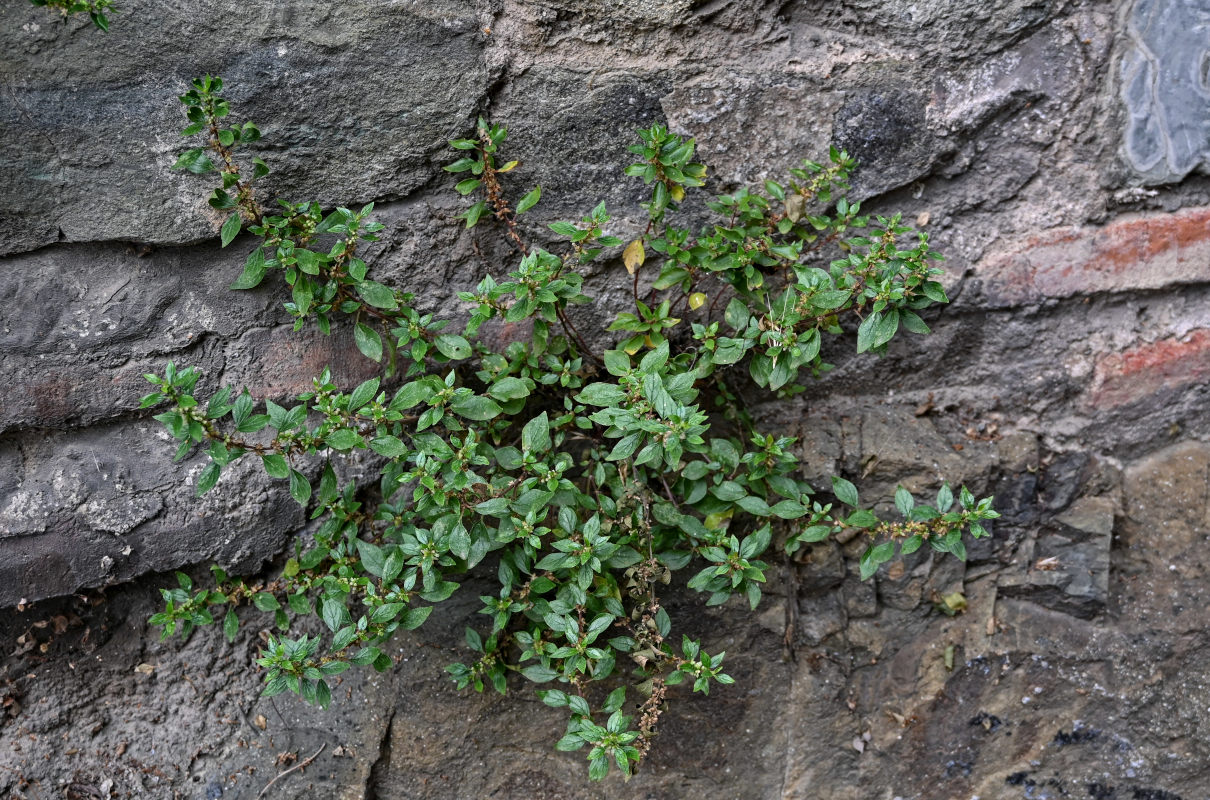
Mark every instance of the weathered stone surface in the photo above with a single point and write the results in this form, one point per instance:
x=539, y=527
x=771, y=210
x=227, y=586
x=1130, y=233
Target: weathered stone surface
x=1010, y=130
x=1149, y=368
x=1150, y=252
x=356, y=97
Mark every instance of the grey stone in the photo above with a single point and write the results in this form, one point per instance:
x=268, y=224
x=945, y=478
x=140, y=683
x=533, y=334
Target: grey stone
x=1070, y=561
x=385, y=86
x=1165, y=88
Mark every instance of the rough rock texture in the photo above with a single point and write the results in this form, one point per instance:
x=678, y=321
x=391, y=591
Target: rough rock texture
x=1054, y=150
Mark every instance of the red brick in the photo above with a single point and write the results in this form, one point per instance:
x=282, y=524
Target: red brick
x=1141, y=253
x=1129, y=376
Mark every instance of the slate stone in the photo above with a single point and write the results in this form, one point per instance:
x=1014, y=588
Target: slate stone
x=1165, y=88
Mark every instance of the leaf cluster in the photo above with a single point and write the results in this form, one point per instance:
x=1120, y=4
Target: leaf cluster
x=584, y=480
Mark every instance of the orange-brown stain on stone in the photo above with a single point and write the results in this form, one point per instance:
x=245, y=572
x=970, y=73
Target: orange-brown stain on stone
x=1148, y=252
x=1142, y=371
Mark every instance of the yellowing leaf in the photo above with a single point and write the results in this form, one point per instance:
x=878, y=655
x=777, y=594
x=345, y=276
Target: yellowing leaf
x=955, y=602
x=634, y=255
x=677, y=193
x=795, y=205
x=697, y=300
x=632, y=348
x=509, y=166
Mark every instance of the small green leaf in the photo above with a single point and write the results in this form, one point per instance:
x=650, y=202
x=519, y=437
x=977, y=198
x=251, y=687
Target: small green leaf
x=845, y=491
x=539, y=674
x=208, y=478
x=476, y=407
x=535, y=436
x=377, y=295
x=509, y=389
x=368, y=341
x=265, y=601
x=344, y=439
x=275, y=466
x=452, y=346
x=389, y=446
x=300, y=487
x=254, y=271
x=945, y=498
x=231, y=229
x=530, y=200
x=363, y=394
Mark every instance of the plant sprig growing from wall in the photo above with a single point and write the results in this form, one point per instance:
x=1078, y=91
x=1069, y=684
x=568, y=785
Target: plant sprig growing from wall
x=582, y=480
x=94, y=8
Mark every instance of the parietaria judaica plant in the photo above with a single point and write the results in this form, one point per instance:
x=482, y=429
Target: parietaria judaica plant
x=584, y=480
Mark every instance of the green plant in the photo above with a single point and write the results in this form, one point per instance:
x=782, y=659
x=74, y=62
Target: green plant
x=94, y=8
x=583, y=479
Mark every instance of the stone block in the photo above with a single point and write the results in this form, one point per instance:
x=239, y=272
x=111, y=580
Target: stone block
x=1141, y=253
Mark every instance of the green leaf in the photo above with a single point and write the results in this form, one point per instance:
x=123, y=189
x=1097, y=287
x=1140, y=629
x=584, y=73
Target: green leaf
x=539, y=674
x=230, y=625
x=334, y=614
x=867, y=331
x=389, y=446
x=308, y=261
x=208, y=478
x=535, y=436
x=377, y=295
x=601, y=394
x=904, y=501
x=300, y=487
x=945, y=498
x=861, y=518
x=886, y=328
x=275, y=466
x=230, y=229
x=452, y=346
x=302, y=295
x=509, y=389
x=368, y=341
x=754, y=506
x=830, y=299
x=737, y=314
x=911, y=321
x=935, y=292
x=363, y=394
x=875, y=557
x=476, y=407
x=530, y=200
x=789, y=509
x=344, y=439
x=254, y=271
x=472, y=214
x=343, y=638
x=845, y=491
x=372, y=557
x=414, y=617
x=411, y=394
x=265, y=601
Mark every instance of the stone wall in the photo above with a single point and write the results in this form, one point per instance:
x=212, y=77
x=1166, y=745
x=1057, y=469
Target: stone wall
x=1055, y=150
